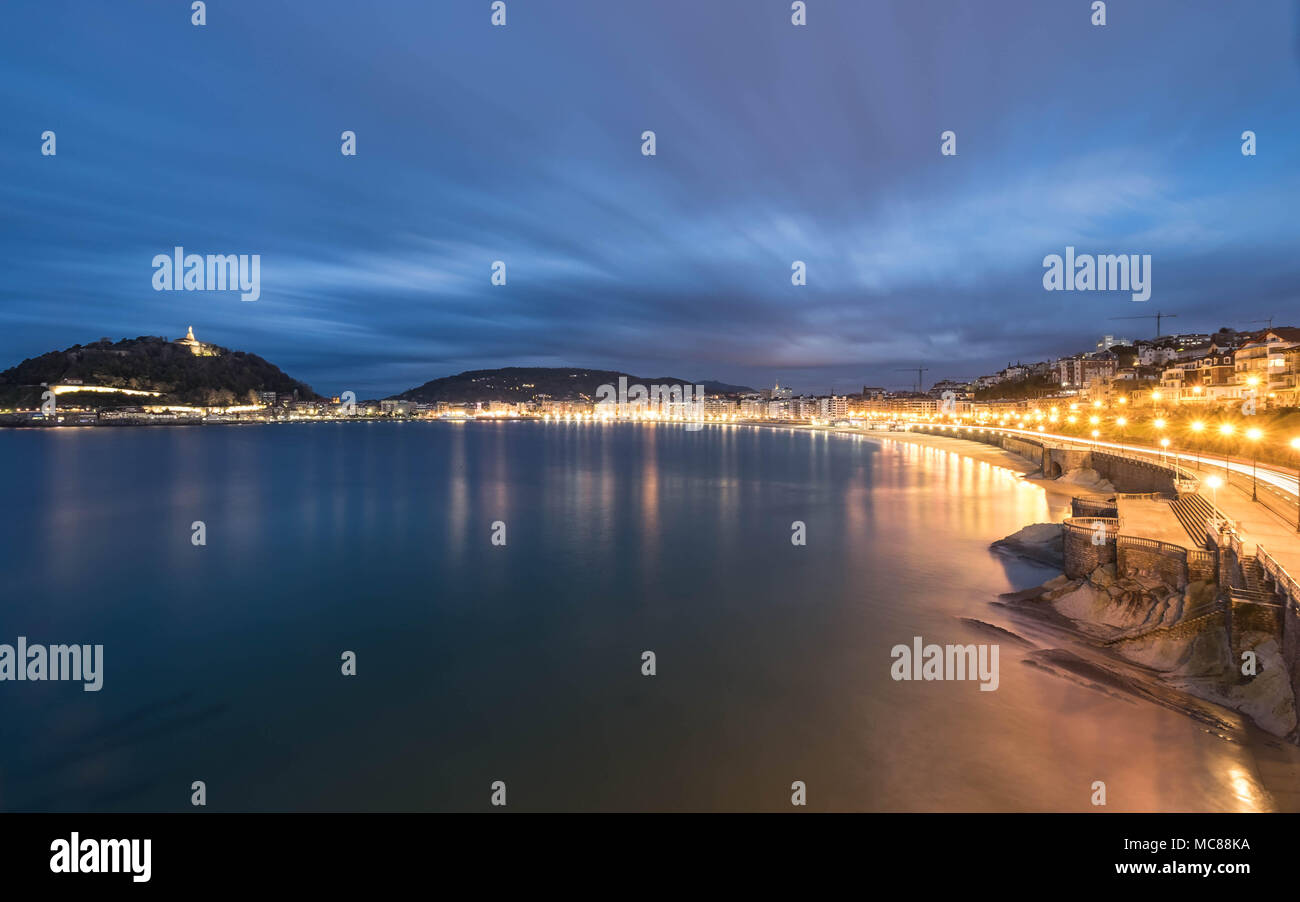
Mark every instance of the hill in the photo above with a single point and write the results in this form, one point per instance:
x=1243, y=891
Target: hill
x=149, y=363
x=514, y=384
x=722, y=388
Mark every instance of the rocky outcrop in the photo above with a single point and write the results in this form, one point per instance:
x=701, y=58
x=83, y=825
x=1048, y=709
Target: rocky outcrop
x=1180, y=636
x=1041, y=542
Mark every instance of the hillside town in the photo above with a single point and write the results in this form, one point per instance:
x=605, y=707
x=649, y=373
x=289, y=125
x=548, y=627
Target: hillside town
x=1258, y=370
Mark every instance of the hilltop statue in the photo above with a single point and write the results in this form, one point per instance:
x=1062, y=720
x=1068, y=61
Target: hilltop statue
x=196, y=347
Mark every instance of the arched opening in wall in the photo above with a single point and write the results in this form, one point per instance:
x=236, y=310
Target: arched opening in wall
x=1053, y=470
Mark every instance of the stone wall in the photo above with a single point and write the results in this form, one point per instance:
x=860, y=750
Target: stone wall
x=1063, y=460
x=1253, y=617
x=1133, y=476
x=1203, y=565
x=1086, y=507
x=1229, y=569
x=1153, y=560
x=1082, y=553
x=1127, y=474
x=1028, y=448
x=1291, y=645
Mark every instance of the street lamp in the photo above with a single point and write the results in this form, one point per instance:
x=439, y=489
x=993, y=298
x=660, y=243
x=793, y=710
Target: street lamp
x=1254, y=436
x=1164, y=449
x=1198, y=427
x=1214, y=482
x=1122, y=422
x=1226, y=430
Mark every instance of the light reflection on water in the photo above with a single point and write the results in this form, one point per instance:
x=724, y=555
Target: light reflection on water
x=522, y=663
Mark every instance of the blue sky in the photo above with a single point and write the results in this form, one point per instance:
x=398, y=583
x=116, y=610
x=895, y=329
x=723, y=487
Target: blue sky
x=522, y=144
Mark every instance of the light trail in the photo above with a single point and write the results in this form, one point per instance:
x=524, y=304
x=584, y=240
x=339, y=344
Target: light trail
x=1267, y=474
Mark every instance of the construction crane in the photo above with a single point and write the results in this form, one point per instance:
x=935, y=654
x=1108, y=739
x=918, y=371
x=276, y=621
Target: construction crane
x=1157, y=316
x=920, y=374
x=1269, y=321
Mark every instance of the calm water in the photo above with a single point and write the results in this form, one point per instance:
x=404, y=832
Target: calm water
x=522, y=663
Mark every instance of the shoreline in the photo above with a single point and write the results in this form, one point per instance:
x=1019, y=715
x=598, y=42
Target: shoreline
x=1277, y=771
x=980, y=451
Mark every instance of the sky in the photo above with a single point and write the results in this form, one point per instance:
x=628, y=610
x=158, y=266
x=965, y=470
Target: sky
x=522, y=143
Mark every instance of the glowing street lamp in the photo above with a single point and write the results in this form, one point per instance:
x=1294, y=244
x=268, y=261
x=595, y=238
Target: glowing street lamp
x=1122, y=422
x=1198, y=427
x=1254, y=436
x=1214, y=482
x=1164, y=449
x=1226, y=430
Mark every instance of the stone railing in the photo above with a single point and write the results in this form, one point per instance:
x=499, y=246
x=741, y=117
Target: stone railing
x=1153, y=545
x=1088, y=524
x=1286, y=584
x=1086, y=507
x=1183, y=478
x=1229, y=530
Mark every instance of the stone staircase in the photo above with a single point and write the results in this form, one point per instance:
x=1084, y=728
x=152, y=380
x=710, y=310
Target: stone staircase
x=1256, y=587
x=1190, y=624
x=1192, y=511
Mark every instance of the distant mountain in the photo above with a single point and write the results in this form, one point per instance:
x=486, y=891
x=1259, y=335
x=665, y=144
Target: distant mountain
x=722, y=388
x=515, y=384
x=183, y=372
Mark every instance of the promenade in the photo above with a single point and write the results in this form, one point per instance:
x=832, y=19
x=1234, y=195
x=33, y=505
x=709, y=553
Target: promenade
x=1268, y=523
